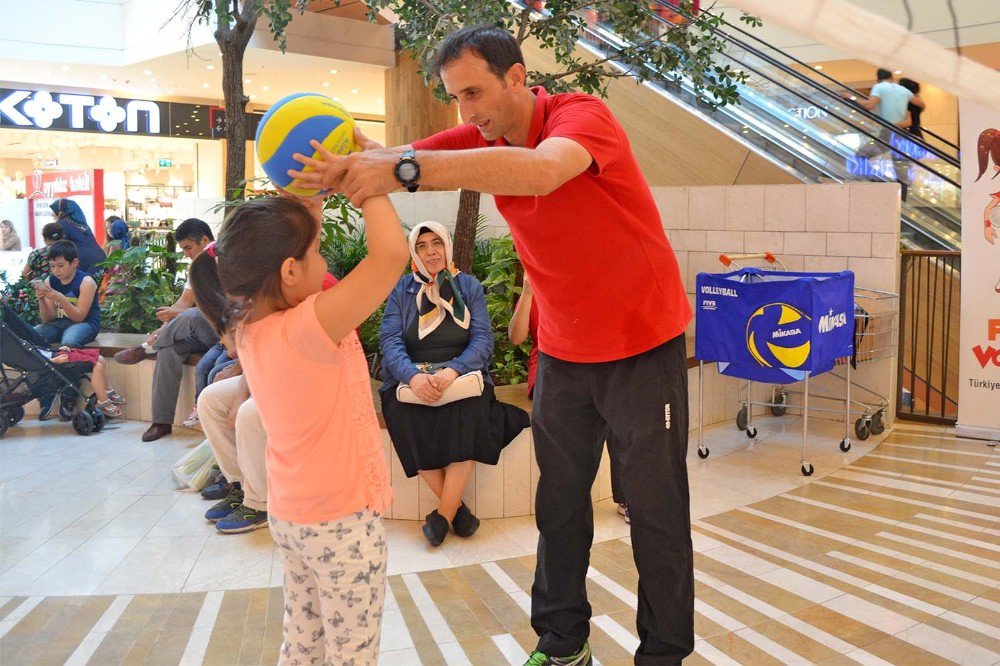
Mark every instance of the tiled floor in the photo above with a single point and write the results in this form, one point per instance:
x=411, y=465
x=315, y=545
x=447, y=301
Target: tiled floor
x=883, y=556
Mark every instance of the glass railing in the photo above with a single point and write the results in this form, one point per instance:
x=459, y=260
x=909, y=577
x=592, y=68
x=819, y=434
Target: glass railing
x=803, y=123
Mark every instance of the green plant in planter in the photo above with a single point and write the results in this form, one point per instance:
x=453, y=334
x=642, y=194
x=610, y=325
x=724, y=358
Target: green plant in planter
x=510, y=361
x=130, y=305
x=19, y=295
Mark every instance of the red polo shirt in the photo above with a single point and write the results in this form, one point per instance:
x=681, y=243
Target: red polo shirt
x=606, y=279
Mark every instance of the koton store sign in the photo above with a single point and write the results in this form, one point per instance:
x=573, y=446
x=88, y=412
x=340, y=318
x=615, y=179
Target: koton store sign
x=40, y=109
x=105, y=114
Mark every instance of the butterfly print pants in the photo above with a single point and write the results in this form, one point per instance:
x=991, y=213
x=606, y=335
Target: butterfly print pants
x=334, y=589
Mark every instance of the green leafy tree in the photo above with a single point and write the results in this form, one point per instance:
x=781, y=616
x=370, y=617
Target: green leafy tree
x=648, y=49
x=234, y=22
x=151, y=281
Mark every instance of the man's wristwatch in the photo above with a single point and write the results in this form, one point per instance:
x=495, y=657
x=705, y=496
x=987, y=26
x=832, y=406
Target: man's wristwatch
x=407, y=170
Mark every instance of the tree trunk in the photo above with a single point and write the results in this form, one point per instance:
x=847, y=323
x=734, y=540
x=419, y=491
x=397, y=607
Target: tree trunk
x=465, y=229
x=233, y=44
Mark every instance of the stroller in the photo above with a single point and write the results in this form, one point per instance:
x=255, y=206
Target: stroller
x=25, y=375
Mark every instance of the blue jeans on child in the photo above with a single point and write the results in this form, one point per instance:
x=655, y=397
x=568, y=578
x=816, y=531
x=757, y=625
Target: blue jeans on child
x=64, y=331
x=211, y=362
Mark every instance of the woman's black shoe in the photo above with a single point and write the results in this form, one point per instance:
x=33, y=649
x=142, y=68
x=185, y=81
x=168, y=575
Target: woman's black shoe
x=465, y=523
x=435, y=528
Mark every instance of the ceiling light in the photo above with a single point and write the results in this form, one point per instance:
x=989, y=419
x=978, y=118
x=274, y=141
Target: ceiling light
x=205, y=85
x=64, y=67
x=265, y=88
x=333, y=71
x=818, y=67
x=380, y=101
x=248, y=81
x=209, y=66
x=104, y=77
x=354, y=91
x=898, y=71
x=253, y=96
x=326, y=84
x=336, y=99
x=147, y=72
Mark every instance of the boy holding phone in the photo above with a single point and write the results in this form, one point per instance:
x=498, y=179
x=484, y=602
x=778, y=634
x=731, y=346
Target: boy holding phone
x=67, y=302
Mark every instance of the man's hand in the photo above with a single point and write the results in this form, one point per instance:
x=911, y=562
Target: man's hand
x=358, y=175
x=443, y=378
x=152, y=338
x=228, y=373
x=424, y=387
x=167, y=313
x=991, y=234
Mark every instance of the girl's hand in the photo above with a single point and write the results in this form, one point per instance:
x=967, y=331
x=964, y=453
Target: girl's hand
x=991, y=234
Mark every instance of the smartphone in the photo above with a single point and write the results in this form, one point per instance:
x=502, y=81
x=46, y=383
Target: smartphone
x=38, y=284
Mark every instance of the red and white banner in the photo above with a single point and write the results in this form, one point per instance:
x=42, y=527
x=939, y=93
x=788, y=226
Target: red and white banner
x=979, y=356
x=84, y=187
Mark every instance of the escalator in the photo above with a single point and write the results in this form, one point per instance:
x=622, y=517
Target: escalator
x=801, y=119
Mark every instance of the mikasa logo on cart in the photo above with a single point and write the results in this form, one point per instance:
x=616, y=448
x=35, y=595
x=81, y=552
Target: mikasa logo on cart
x=40, y=109
x=828, y=322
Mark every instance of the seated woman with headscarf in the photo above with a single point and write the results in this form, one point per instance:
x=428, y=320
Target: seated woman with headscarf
x=116, y=277
x=436, y=328
x=70, y=217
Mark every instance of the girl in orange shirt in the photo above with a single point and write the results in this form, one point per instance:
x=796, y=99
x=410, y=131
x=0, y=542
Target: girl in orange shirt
x=327, y=478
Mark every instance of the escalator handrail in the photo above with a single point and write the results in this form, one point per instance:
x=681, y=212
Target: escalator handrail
x=843, y=119
x=820, y=73
x=810, y=83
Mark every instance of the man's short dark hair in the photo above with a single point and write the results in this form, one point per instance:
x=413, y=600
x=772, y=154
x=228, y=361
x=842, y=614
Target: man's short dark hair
x=494, y=45
x=63, y=249
x=193, y=229
x=883, y=75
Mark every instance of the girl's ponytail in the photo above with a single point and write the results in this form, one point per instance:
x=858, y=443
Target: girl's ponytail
x=221, y=312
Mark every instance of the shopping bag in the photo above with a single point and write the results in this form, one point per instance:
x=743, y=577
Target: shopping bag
x=196, y=469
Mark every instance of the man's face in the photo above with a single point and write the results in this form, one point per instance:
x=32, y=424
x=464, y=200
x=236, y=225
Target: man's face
x=62, y=269
x=192, y=248
x=484, y=99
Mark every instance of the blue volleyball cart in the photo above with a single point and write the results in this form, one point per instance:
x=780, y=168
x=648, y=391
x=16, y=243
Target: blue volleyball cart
x=775, y=326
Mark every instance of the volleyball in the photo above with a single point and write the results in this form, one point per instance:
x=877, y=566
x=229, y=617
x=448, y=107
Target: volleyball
x=289, y=126
x=778, y=336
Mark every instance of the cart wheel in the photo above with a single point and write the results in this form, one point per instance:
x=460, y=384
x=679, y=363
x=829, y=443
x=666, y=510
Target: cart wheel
x=780, y=407
x=99, y=420
x=14, y=415
x=861, y=429
x=878, y=423
x=741, y=418
x=83, y=424
x=4, y=422
x=703, y=453
x=751, y=432
x=845, y=445
x=807, y=469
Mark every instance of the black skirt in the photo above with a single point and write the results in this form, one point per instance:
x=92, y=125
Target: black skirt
x=429, y=438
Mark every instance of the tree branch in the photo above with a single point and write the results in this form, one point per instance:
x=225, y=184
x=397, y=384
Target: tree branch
x=522, y=29
x=434, y=10
x=568, y=12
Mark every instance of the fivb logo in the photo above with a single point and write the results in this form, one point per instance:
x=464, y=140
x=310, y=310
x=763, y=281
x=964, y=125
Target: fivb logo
x=990, y=354
x=829, y=322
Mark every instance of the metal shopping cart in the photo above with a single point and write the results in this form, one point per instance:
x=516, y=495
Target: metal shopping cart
x=773, y=326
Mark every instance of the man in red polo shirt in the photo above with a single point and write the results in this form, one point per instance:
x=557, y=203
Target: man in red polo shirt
x=611, y=330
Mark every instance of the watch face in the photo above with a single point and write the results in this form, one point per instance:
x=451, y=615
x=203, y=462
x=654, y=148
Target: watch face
x=407, y=170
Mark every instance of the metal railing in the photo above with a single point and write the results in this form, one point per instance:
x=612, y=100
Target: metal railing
x=929, y=307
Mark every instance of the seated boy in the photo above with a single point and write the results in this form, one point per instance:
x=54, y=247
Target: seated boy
x=67, y=301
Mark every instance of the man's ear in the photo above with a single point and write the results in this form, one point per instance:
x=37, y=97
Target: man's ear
x=516, y=75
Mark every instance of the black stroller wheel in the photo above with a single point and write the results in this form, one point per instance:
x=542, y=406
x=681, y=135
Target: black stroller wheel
x=4, y=422
x=15, y=415
x=83, y=424
x=99, y=420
